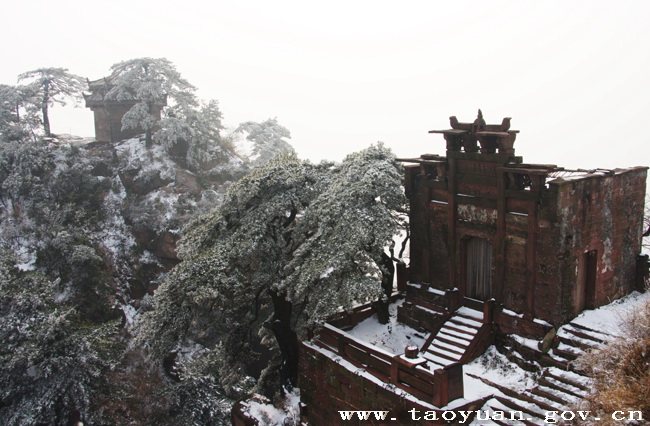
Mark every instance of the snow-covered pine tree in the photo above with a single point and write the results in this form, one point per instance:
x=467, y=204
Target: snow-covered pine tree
x=10, y=101
x=190, y=130
x=340, y=241
x=51, y=363
x=151, y=82
x=291, y=243
x=18, y=118
x=53, y=86
x=194, y=132
x=268, y=139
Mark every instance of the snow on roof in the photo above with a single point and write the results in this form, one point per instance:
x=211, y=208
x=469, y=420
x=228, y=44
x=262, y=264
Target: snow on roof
x=562, y=174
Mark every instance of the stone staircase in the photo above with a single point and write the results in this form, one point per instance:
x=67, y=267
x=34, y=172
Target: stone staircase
x=574, y=339
x=450, y=343
x=560, y=383
x=554, y=391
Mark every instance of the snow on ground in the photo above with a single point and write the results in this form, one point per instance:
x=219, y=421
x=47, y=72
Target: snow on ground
x=149, y=159
x=492, y=365
x=260, y=408
x=28, y=258
x=393, y=337
x=608, y=318
x=131, y=315
x=496, y=368
x=114, y=233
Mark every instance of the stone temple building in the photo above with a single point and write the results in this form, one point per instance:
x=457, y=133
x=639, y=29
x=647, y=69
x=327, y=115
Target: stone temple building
x=501, y=251
x=109, y=112
x=539, y=239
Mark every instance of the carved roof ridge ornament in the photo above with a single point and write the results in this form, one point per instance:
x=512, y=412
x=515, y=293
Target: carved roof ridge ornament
x=492, y=137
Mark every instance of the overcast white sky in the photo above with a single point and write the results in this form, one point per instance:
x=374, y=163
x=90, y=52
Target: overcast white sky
x=340, y=75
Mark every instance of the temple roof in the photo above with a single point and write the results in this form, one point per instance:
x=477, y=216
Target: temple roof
x=98, y=90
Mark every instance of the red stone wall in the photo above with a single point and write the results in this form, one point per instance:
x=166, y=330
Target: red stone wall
x=546, y=231
x=605, y=214
x=327, y=387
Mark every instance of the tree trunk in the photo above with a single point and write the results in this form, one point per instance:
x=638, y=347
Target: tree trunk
x=148, y=133
x=387, y=276
x=46, y=100
x=286, y=338
x=148, y=140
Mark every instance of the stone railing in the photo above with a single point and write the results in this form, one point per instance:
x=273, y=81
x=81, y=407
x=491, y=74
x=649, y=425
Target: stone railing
x=437, y=387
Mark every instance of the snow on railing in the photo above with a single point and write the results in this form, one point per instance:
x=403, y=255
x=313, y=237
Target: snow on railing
x=443, y=385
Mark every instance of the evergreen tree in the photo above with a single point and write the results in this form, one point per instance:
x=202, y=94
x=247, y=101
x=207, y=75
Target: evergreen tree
x=151, y=82
x=53, y=85
x=194, y=132
x=189, y=129
x=49, y=202
x=268, y=139
x=291, y=243
x=13, y=123
x=51, y=364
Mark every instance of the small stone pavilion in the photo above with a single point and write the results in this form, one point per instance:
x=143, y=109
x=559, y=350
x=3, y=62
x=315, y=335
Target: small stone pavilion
x=499, y=248
x=109, y=112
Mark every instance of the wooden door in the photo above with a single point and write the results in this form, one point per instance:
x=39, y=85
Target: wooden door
x=479, y=268
x=585, y=297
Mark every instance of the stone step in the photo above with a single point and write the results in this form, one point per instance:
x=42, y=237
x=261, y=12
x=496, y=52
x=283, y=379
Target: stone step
x=438, y=361
x=567, y=355
x=541, y=401
x=451, y=328
x=572, y=333
x=451, y=340
x=470, y=313
x=601, y=335
x=577, y=344
x=461, y=324
x=520, y=405
x=546, y=406
x=561, y=387
x=550, y=394
x=470, y=323
x=559, y=361
x=569, y=378
x=443, y=354
x=447, y=347
x=454, y=336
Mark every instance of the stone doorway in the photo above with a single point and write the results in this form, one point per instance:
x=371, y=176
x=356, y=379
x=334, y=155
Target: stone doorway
x=478, y=284
x=585, y=296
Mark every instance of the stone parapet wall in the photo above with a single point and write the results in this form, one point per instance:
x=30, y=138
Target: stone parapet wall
x=328, y=386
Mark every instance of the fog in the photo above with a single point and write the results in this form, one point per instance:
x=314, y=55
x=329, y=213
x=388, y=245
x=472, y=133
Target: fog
x=342, y=75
